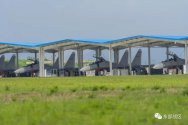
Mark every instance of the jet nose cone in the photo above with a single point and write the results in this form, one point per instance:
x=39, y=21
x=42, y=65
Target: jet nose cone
x=85, y=68
x=158, y=66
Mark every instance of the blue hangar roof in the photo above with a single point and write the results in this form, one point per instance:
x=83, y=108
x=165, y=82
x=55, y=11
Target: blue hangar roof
x=94, y=41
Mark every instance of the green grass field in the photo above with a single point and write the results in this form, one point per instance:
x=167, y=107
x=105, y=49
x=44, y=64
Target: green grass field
x=127, y=100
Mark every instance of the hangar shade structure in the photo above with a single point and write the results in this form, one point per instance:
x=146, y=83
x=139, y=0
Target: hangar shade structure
x=97, y=45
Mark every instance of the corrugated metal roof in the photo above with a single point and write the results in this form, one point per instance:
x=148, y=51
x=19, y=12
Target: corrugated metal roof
x=94, y=41
x=170, y=38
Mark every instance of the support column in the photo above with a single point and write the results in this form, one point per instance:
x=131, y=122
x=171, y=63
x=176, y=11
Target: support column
x=17, y=60
x=98, y=52
x=149, y=61
x=110, y=60
x=80, y=57
x=167, y=56
x=116, y=55
x=35, y=55
x=129, y=61
x=53, y=58
x=186, y=59
x=167, y=52
x=60, y=57
x=41, y=62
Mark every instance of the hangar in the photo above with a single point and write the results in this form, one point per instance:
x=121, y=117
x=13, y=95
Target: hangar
x=97, y=45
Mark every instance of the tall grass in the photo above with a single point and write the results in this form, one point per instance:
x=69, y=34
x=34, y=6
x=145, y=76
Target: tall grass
x=129, y=100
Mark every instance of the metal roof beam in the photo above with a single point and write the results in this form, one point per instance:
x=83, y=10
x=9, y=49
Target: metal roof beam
x=65, y=47
x=92, y=44
x=91, y=47
x=65, y=44
x=149, y=43
x=119, y=43
x=164, y=44
x=3, y=46
x=141, y=42
x=18, y=49
x=5, y=49
x=27, y=50
x=57, y=45
x=13, y=49
x=132, y=44
x=74, y=46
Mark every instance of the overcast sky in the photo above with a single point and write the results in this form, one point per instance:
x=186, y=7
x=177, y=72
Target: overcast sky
x=50, y=20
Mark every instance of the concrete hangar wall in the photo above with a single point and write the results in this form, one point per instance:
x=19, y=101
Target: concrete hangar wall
x=97, y=45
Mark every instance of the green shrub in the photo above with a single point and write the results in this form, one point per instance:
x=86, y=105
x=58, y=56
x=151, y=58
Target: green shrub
x=7, y=88
x=104, y=88
x=14, y=99
x=95, y=88
x=128, y=87
x=73, y=90
x=185, y=92
x=54, y=90
x=155, y=87
x=162, y=90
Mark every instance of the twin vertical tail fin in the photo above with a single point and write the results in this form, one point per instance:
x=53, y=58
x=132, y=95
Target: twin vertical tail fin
x=2, y=62
x=71, y=61
x=137, y=59
x=124, y=60
x=11, y=65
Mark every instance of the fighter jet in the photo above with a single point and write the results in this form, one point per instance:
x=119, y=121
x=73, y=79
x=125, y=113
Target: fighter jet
x=102, y=64
x=2, y=63
x=70, y=64
x=69, y=68
x=34, y=67
x=7, y=68
x=11, y=65
x=173, y=62
x=30, y=68
x=99, y=64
